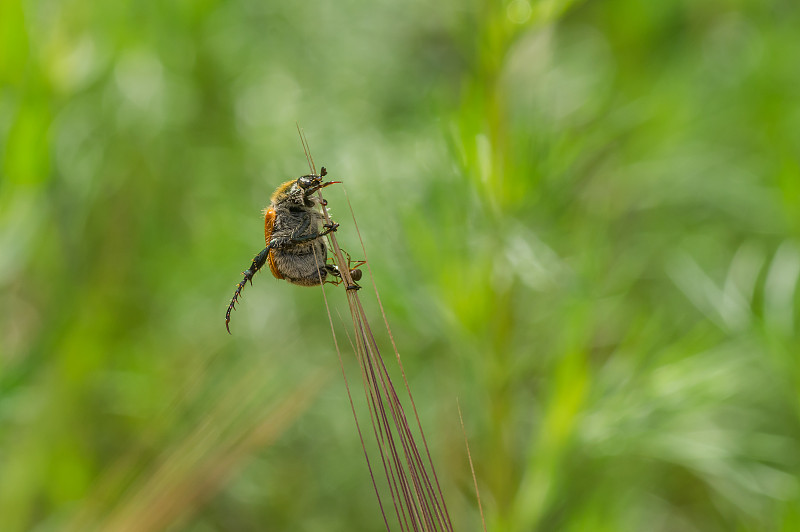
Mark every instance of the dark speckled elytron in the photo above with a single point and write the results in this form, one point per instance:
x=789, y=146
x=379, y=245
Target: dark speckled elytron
x=296, y=249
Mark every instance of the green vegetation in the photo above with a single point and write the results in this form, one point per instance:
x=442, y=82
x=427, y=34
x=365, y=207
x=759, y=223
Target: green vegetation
x=582, y=217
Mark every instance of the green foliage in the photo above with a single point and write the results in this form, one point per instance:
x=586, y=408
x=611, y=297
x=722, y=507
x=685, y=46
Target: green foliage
x=583, y=218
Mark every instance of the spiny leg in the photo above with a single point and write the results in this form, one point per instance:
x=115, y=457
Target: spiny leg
x=278, y=243
x=258, y=262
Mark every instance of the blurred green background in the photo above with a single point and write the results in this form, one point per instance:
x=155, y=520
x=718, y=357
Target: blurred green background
x=583, y=219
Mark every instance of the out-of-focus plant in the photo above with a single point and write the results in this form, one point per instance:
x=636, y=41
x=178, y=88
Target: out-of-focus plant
x=583, y=218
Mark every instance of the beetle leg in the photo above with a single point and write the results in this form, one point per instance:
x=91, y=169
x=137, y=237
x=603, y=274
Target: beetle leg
x=258, y=262
x=278, y=243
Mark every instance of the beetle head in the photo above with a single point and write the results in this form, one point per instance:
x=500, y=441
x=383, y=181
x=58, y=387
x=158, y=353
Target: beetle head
x=299, y=191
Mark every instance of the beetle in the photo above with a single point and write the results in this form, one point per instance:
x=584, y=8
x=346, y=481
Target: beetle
x=296, y=250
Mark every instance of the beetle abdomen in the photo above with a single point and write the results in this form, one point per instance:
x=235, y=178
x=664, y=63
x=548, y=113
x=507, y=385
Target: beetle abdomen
x=301, y=264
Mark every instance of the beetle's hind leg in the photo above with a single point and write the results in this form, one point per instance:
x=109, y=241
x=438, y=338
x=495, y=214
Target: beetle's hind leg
x=258, y=262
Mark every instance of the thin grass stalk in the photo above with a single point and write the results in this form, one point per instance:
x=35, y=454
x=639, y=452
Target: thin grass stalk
x=379, y=387
x=471, y=466
x=399, y=421
x=397, y=406
x=420, y=501
x=383, y=430
x=397, y=356
x=380, y=436
x=415, y=451
x=355, y=417
x=424, y=506
x=415, y=466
